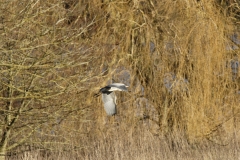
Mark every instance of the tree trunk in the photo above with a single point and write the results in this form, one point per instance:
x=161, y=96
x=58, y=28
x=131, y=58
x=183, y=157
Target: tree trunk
x=3, y=146
x=2, y=155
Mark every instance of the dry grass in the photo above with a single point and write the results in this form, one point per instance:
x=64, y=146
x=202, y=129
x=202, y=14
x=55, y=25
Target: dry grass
x=89, y=43
x=140, y=144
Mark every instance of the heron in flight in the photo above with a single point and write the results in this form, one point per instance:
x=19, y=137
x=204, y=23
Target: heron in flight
x=109, y=98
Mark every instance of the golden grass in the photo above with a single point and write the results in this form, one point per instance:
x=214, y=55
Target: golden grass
x=141, y=144
x=91, y=42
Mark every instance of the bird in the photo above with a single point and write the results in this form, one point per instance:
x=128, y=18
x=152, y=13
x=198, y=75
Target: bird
x=109, y=98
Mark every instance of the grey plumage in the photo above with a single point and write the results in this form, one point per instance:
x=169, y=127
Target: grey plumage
x=109, y=102
x=109, y=98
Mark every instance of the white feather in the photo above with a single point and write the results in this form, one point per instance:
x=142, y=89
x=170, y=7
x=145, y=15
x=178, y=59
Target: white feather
x=109, y=102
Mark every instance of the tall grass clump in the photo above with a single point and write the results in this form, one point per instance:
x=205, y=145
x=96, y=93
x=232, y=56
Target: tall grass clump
x=190, y=42
x=176, y=56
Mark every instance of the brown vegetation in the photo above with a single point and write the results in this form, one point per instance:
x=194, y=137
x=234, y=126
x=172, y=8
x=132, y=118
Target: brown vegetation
x=56, y=54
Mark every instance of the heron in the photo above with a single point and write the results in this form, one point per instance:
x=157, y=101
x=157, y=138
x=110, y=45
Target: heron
x=109, y=98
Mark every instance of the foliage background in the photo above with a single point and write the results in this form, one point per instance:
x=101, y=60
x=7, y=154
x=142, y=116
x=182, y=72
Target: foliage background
x=55, y=55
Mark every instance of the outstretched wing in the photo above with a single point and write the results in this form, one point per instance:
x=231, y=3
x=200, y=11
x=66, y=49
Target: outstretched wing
x=117, y=87
x=109, y=102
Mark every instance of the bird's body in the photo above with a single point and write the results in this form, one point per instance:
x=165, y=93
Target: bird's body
x=109, y=102
x=109, y=98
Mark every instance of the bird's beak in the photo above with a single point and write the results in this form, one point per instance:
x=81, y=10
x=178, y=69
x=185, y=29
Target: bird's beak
x=97, y=94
